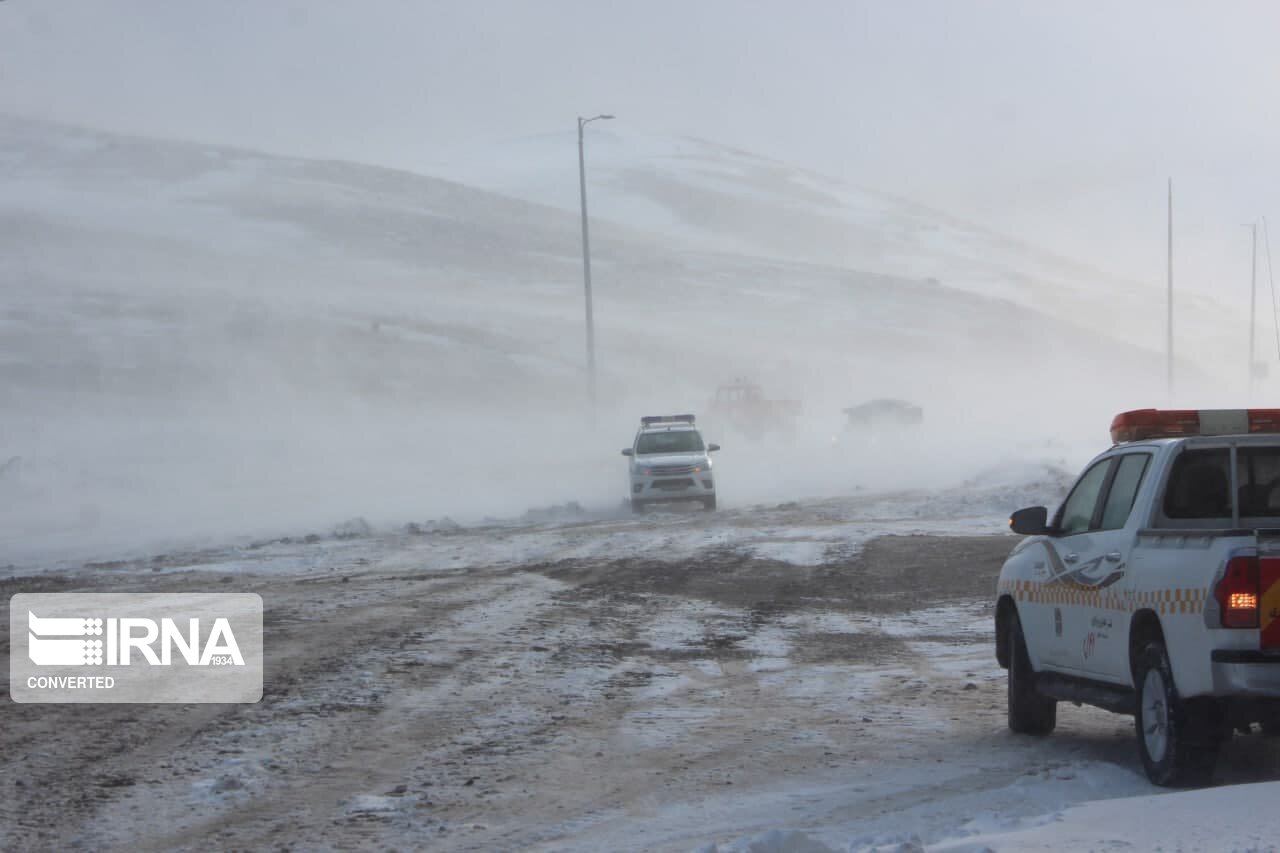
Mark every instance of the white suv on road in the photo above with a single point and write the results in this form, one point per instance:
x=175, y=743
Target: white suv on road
x=670, y=462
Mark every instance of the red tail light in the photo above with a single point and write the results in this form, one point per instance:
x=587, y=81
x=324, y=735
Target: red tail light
x=1237, y=593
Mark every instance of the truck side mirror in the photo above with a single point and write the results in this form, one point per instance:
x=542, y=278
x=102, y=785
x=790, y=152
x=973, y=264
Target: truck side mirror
x=711, y=448
x=1031, y=521
x=627, y=451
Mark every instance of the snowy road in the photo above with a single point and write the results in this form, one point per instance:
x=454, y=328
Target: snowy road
x=417, y=696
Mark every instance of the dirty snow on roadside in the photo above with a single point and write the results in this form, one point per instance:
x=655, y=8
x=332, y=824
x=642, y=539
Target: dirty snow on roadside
x=798, y=532
x=799, y=677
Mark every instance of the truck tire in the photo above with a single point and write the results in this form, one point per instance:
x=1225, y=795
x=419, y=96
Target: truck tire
x=1030, y=713
x=637, y=507
x=709, y=504
x=1176, y=741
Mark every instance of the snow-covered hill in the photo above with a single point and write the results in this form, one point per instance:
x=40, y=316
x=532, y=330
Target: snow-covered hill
x=207, y=339
x=694, y=191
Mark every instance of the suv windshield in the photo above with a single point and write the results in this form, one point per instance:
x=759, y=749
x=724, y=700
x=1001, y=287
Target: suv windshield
x=675, y=441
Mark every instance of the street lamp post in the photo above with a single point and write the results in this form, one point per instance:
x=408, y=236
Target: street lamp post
x=1169, y=337
x=586, y=265
x=1253, y=301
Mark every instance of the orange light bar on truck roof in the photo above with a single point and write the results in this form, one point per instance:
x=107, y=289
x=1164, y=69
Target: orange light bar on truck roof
x=1173, y=423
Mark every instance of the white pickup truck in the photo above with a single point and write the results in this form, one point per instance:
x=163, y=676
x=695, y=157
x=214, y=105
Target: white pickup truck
x=1154, y=590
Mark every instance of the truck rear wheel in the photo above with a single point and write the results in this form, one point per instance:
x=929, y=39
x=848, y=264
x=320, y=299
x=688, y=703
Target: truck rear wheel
x=709, y=504
x=637, y=506
x=1177, y=741
x=1030, y=713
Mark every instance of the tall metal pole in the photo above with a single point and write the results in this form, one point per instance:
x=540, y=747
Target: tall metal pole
x=586, y=264
x=1253, y=301
x=586, y=272
x=1169, y=335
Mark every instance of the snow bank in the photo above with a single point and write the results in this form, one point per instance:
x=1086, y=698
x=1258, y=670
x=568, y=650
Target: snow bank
x=1232, y=817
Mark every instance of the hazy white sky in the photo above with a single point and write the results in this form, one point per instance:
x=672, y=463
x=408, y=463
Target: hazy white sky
x=1056, y=122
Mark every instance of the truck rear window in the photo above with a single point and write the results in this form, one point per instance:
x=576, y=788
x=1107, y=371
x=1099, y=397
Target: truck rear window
x=1200, y=484
x=1258, y=477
